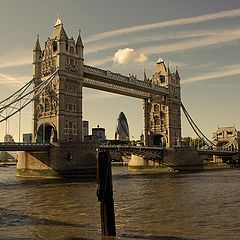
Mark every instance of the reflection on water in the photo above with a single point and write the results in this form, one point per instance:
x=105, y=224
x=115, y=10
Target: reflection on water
x=190, y=206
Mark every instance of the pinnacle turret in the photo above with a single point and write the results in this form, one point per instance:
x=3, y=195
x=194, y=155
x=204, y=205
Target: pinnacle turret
x=177, y=73
x=79, y=40
x=37, y=47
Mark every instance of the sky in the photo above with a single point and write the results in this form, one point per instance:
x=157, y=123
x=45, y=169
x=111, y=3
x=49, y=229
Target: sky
x=200, y=38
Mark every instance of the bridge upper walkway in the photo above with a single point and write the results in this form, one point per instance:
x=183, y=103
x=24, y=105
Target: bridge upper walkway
x=116, y=83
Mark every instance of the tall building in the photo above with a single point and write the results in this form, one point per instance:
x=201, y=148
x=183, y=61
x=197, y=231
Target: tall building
x=122, y=130
x=27, y=137
x=85, y=129
x=162, y=113
x=100, y=133
x=224, y=135
x=58, y=110
x=8, y=138
x=8, y=156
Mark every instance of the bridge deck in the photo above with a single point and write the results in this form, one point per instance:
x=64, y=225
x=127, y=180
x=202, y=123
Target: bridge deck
x=217, y=152
x=6, y=146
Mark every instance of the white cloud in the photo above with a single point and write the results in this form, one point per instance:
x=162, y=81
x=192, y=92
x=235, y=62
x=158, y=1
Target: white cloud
x=16, y=58
x=226, y=71
x=128, y=55
x=176, y=22
x=191, y=44
x=12, y=81
x=99, y=95
x=96, y=47
x=98, y=62
x=209, y=40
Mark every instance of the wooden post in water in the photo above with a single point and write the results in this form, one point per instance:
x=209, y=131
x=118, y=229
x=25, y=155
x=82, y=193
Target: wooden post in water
x=105, y=193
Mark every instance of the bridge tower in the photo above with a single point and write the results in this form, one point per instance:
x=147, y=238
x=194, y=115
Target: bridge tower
x=57, y=111
x=162, y=115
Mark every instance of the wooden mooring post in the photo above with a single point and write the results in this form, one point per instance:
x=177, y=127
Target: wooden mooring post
x=105, y=193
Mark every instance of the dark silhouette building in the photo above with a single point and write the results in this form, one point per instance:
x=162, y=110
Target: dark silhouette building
x=122, y=130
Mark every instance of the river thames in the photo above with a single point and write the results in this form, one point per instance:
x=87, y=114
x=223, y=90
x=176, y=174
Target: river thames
x=177, y=206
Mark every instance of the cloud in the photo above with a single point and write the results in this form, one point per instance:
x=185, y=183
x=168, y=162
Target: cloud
x=96, y=47
x=176, y=22
x=226, y=71
x=209, y=40
x=16, y=58
x=9, y=80
x=191, y=44
x=98, y=62
x=99, y=95
x=128, y=55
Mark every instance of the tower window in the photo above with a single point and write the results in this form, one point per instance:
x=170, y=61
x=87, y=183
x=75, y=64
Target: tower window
x=71, y=49
x=54, y=46
x=156, y=107
x=162, y=79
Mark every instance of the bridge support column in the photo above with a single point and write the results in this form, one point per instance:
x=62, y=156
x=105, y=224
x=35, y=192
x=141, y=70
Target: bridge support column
x=62, y=160
x=146, y=109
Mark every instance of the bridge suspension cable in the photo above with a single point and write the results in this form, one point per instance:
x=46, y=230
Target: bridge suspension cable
x=21, y=98
x=196, y=129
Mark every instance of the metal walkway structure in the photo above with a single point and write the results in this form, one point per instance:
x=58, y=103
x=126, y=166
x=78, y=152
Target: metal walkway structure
x=116, y=83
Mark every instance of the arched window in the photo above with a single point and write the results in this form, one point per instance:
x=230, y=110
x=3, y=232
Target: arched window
x=54, y=46
x=47, y=105
x=162, y=79
x=156, y=108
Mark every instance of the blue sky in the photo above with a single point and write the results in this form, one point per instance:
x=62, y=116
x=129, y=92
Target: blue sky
x=201, y=38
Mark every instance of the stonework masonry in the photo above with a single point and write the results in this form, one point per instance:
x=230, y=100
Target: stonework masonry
x=57, y=117
x=162, y=114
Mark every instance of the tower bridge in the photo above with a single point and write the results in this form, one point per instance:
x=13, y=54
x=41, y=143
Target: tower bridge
x=59, y=74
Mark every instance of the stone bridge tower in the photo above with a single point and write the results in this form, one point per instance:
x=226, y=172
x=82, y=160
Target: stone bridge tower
x=57, y=112
x=162, y=113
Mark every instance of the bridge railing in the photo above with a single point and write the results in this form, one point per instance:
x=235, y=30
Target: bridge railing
x=23, y=144
x=129, y=147
x=124, y=79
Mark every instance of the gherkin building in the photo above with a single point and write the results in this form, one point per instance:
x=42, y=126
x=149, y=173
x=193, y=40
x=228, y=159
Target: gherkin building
x=122, y=130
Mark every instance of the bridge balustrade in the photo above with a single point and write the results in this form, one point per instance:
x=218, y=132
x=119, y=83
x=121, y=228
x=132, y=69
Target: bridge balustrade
x=121, y=78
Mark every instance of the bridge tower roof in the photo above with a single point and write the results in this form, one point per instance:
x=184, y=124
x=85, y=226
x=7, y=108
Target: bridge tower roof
x=58, y=31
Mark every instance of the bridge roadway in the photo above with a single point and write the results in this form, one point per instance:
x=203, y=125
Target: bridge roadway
x=19, y=146
x=116, y=83
x=154, y=152
x=216, y=152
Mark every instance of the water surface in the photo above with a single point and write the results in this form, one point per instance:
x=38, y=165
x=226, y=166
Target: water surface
x=204, y=205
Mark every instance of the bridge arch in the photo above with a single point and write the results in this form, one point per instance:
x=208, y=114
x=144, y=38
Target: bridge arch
x=46, y=133
x=159, y=140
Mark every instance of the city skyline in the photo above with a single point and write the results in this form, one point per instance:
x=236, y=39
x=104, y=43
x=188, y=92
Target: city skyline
x=127, y=37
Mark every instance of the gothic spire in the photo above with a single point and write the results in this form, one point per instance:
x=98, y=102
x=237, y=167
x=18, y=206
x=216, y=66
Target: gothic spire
x=79, y=40
x=144, y=75
x=177, y=73
x=37, y=45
